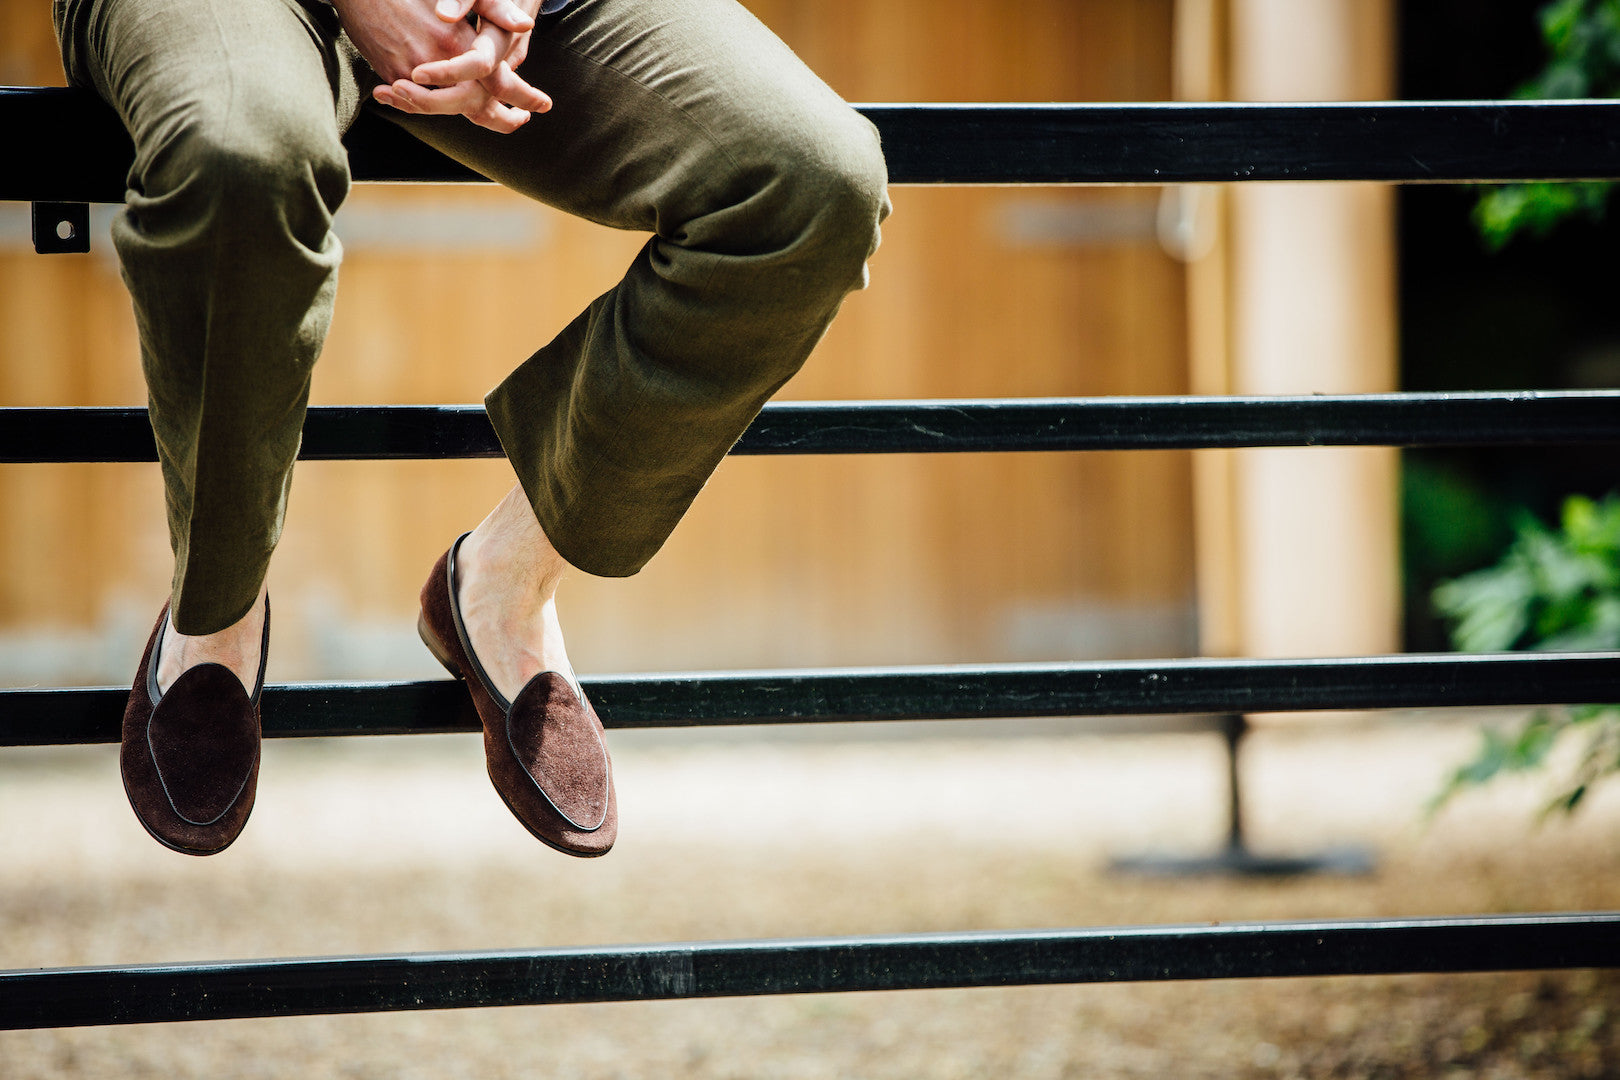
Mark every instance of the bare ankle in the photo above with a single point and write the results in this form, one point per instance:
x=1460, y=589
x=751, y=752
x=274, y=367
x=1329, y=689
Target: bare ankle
x=510, y=545
x=237, y=647
x=506, y=584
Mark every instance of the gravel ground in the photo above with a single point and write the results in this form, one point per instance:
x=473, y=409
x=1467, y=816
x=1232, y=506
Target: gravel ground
x=399, y=844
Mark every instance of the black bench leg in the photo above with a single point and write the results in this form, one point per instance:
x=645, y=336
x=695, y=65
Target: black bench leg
x=1237, y=858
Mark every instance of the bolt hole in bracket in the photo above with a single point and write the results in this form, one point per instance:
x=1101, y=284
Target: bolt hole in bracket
x=61, y=228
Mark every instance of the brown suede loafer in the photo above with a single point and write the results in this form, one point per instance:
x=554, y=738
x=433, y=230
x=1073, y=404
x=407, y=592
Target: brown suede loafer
x=546, y=752
x=190, y=756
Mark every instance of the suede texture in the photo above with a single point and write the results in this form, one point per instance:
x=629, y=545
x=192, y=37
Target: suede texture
x=558, y=741
x=548, y=758
x=190, y=761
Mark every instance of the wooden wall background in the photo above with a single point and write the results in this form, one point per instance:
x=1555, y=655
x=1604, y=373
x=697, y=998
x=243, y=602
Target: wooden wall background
x=993, y=292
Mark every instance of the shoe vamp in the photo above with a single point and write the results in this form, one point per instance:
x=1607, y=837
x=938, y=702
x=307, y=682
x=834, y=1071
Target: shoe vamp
x=558, y=741
x=204, y=737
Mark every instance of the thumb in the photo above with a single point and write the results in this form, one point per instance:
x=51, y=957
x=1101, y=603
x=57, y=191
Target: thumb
x=452, y=11
x=504, y=14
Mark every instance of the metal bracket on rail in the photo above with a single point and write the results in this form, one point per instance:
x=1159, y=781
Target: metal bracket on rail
x=61, y=228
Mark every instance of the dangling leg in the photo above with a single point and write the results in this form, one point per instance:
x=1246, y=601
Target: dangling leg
x=763, y=192
x=235, y=109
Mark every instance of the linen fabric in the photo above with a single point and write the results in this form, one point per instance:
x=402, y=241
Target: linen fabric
x=686, y=119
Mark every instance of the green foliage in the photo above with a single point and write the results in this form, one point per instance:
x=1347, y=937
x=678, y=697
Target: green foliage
x=1552, y=590
x=1583, y=38
x=1583, y=46
x=1535, y=209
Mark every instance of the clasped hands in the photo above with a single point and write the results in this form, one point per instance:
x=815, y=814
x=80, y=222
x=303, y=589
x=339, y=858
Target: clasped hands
x=449, y=56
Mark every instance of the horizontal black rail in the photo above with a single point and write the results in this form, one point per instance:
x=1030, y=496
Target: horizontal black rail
x=399, y=432
x=66, y=146
x=143, y=994
x=44, y=717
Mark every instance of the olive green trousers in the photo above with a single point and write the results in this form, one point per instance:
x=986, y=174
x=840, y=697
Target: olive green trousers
x=686, y=119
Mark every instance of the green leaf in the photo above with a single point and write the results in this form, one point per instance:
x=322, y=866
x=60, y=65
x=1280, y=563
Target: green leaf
x=1582, y=39
x=1534, y=742
x=1491, y=608
x=1558, y=22
x=1511, y=210
x=1550, y=590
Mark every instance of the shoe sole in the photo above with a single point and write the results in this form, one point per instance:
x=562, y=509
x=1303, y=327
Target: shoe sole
x=431, y=640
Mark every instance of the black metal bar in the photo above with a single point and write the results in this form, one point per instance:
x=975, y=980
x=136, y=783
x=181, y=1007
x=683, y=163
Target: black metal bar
x=143, y=994
x=33, y=717
x=1171, y=142
x=398, y=432
x=1185, y=143
x=71, y=147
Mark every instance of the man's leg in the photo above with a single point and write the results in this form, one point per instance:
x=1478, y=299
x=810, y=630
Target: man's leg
x=690, y=120
x=763, y=192
x=225, y=243
x=235, y=108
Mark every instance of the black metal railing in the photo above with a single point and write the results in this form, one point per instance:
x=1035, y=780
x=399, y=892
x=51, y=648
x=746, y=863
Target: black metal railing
x=33, y=717
x=154, y=993
x=404, y=432
x=72, y=151
x=75, y=150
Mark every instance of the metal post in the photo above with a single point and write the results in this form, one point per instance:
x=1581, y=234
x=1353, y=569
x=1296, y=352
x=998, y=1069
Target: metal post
x=1235, y=727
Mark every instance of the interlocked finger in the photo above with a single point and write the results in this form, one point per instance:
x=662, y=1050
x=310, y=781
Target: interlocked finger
x=467, y=99
x=504, y=14
x=479, y=83
x=489, y=47
x=498, y=117
x=448, y=100
x=519, y=51
x=507, y=86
